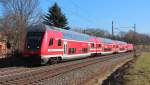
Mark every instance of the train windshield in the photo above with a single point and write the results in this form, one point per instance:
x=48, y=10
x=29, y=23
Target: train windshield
x=34, y=40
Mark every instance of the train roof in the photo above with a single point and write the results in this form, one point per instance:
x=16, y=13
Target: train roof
x=36, y=28
x=121, y=42
x=71, y=34
x=106, y=40
x=109, y=41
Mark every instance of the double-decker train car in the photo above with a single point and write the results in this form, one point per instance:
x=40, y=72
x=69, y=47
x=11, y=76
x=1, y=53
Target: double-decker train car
x=115, y=47
x=53, y=44
x=93, y=46
x=107, y=46
x=129, y=47
x=122, y=46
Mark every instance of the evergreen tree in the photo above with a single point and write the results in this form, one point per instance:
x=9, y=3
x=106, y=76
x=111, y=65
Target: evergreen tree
x=56, y=18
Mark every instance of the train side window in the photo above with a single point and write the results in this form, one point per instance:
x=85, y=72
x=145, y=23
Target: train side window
x=59, y=42
x=69, y=51
x=51, y=41
x=72, y=50
x=84, y=50
x=92, y=45
x=99, y=45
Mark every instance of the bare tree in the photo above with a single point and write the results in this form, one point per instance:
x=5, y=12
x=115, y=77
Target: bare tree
x=18, y=15
x=26, y=9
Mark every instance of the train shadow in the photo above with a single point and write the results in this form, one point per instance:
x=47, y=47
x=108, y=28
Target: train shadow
x=19, y=61
x=15, y=62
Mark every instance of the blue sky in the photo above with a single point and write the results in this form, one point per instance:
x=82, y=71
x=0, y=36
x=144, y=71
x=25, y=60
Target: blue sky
x=100, y=13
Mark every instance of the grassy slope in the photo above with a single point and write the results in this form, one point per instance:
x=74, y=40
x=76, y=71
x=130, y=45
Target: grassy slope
x=139, y=73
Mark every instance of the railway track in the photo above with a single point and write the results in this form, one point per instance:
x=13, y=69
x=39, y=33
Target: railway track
x=8, y=71
x=39, y=74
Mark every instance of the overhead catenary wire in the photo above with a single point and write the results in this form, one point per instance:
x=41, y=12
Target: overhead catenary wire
x=77, y=14
x=84, y=11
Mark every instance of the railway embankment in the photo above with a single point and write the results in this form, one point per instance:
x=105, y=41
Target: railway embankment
x=110, y=69
x=68, y=73
x=135, y=72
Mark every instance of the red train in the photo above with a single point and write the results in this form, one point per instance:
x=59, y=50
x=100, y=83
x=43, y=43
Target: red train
x=53, y=44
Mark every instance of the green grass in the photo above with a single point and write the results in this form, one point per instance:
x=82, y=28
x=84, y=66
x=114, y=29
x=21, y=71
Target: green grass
x=139, y=73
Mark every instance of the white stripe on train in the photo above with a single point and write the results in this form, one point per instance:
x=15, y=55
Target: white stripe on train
x=52, y=50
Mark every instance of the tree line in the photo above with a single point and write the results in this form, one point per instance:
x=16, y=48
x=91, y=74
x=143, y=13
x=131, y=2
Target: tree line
x=130, y=36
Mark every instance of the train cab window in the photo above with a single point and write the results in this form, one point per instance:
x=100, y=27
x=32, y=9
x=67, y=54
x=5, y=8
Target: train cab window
x=51, y=41
x=59, y=42
x=92, y=45
x=34, y=40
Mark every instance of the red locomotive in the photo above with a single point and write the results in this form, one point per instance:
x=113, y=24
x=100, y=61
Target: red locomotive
x=53, y=44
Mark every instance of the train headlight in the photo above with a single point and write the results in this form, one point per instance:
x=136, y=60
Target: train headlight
x=28, y=47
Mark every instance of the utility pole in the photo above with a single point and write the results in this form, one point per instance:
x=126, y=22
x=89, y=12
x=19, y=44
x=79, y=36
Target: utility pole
x=112, y=29
x=134, y=28
x=134, y=37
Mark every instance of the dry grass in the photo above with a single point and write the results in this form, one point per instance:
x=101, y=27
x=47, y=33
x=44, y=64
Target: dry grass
x=139, y=73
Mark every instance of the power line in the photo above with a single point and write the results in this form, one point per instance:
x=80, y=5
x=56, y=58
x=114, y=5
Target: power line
x=112, y=29
x=84, y=11
x=78, y=16
x=75, y=14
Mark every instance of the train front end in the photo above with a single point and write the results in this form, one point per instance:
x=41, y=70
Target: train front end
x=32, y=48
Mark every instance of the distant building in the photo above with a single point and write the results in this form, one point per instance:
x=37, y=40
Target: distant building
x=3, y=48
